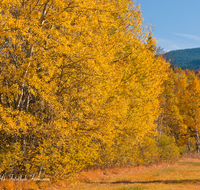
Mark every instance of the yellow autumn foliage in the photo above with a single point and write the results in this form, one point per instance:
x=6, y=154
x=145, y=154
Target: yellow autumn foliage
x=79, y=86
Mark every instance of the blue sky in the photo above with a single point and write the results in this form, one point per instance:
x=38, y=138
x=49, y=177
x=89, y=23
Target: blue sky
x=176, y=23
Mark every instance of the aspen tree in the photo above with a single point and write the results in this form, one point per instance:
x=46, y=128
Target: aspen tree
x=182, y=95
x=193, y=107
x=80, y=82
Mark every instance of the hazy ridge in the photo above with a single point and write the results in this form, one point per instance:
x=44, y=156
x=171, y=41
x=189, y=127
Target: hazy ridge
x=185, y=59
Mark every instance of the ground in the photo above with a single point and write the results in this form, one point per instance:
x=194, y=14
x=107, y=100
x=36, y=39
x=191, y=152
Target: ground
x=182, y=175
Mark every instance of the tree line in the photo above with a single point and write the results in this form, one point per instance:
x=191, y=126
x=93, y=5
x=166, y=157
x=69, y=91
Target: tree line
x=81, y=86
x=180, y=108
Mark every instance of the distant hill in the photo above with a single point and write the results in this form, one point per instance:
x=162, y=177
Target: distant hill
x=186, y=59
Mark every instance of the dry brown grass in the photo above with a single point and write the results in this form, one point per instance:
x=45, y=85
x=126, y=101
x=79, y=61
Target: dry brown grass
x=183, y=175
x=189, y=156
x=18, y=185
x=23, y=185
x=107, y=174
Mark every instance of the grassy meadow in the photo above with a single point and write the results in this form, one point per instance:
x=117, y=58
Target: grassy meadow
x=183, y=175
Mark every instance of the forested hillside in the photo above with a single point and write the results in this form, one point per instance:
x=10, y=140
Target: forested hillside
x=185, y=59
x=81, y=87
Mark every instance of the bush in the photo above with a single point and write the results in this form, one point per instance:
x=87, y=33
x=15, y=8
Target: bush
x=168, y=150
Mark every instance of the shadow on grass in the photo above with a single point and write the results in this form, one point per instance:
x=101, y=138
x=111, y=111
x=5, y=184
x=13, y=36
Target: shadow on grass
x=184, y=181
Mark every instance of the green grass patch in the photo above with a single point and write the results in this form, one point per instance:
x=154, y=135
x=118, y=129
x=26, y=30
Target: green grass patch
x=189, y=163
x=168, y=170
x=156, y=174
